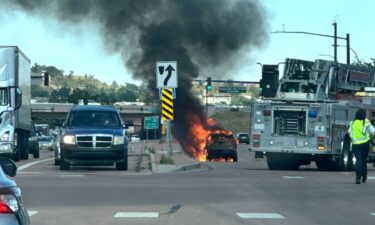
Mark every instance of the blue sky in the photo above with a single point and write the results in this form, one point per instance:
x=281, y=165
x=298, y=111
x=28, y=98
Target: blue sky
x=82, y=51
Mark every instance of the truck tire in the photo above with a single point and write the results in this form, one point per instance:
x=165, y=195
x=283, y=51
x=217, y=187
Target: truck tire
x=24, y=145
x=36, y=154
x=325, y=164
x=64, y=165
x=282, y=161
x=122, y=165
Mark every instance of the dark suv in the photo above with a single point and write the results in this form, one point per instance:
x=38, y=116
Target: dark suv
x=93, y=135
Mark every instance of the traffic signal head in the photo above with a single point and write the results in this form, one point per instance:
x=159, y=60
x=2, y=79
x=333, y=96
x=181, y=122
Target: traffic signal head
x=208, y=85
x=46, y=79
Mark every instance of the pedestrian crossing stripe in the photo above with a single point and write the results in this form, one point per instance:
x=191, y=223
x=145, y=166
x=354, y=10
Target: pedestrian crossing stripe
x=167, y=104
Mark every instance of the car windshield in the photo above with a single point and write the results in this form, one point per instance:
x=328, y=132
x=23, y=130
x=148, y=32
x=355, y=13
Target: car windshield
x=93, y=118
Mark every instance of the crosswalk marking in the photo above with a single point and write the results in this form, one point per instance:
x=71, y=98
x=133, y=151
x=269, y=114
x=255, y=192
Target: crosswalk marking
x=136, y=215
x=31, y=172
x=260, y=216
x=72, y=175
x=293, y=177
x=32, y=213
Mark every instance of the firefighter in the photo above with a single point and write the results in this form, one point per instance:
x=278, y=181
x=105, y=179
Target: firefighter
x=359, y=131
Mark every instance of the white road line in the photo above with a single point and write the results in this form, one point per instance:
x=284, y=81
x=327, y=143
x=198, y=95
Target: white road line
x=372, y=214
x=293, y=177
x=371, y=178
x=31, y=172
x=72, y=175
x=260, y=216
x=32, y=163
x=136, y=215
x=32, y=213
x=345, y=173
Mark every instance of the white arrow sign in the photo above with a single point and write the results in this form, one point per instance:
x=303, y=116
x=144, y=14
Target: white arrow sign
x=166, y=74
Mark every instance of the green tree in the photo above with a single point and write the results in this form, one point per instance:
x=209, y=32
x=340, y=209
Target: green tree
x=38, y=91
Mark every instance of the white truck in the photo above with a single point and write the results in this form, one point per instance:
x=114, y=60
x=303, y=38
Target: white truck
x=15, y=113
x=308, y=118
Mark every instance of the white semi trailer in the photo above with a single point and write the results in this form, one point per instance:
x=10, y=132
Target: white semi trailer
x=15, y=113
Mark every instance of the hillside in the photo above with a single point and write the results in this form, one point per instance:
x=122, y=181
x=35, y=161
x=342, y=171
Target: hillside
x=234, y=121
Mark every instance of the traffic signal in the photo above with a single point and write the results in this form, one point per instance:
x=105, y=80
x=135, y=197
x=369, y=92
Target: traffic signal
x=46, y=79
x=208, y=85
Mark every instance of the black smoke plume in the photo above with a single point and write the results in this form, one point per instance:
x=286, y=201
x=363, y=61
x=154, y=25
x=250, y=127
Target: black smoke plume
x=195, y=33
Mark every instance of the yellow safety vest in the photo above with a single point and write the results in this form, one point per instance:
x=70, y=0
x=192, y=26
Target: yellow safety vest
x=358, y=133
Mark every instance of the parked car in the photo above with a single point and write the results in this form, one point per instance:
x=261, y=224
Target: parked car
x=12, y=210
x=243, y=138
x=33, y=142
x=45, y=142
x=57, y=149
x=221, y=145
x=135, y=138
x=93, y=135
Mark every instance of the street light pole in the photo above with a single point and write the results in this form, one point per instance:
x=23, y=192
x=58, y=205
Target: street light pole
x=347, y=38
x=350, y=49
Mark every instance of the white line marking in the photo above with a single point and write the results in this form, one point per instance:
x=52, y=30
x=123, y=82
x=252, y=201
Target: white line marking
x=345, y=173
x=32, y=213
x=136, y=215
x=31, y=172
x=260, y=216
x=293, y=177
x=32, y=163
x=72, y=175
x=371, y=178
x=372, y=214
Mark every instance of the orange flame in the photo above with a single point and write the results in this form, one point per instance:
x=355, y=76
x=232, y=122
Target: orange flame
x=197, y=142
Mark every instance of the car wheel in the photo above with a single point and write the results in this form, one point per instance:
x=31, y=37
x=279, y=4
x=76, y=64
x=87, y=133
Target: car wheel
x=57, y=162
x=122, y=165
x=234, y=158
x=64, y=165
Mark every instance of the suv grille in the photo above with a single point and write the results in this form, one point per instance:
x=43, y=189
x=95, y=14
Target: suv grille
x=94, y=141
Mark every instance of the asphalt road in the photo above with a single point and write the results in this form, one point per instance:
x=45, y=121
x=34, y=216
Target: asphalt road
x=245, y=192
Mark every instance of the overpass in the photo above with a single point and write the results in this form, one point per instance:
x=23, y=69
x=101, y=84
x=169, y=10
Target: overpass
x=55, y=113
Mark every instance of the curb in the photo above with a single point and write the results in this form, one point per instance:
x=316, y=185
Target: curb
x=158, y=168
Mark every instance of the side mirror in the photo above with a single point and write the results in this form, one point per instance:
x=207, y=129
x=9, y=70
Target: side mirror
x=8, y=166
x=18, y=99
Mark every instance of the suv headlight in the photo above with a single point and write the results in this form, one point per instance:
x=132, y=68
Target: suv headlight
x=118, y=140
x=69, y=139
x=5, y=136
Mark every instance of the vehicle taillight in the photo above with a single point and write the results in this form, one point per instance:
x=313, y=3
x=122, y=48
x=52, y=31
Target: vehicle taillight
x=256, y=140
x=8, y=203
x=321, y=143
x=266, y=112
x=4, y=208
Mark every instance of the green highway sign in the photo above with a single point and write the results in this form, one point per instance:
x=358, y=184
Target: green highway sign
x=151, y=122
x=224, y=89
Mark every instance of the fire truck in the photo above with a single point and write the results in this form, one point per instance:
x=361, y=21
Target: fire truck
x=308, y=117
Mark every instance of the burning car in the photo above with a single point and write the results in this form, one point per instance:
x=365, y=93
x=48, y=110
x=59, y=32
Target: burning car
x=221, y=145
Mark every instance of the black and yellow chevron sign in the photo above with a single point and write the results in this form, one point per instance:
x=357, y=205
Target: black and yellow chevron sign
x=163, y=128
x=167, y=104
